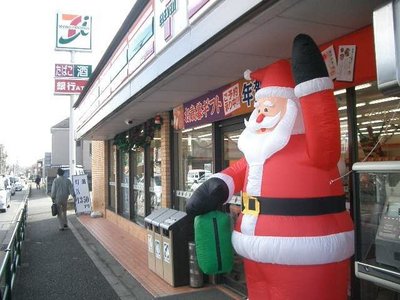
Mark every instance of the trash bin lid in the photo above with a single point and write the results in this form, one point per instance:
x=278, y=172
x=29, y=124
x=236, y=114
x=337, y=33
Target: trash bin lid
x=173, y=220
x=159, y=219
x=155, y=214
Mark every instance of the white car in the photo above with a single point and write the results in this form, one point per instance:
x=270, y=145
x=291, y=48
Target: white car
x=5, y=197
x=18, y=185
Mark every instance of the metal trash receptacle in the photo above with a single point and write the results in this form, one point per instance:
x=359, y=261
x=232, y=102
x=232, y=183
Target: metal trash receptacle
x=158, y=248
x=175, y=233
x=151, y=259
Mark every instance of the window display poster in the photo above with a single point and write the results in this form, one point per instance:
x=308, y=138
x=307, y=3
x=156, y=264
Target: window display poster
x=330, y=61
x=82, y=195
x=345, y=67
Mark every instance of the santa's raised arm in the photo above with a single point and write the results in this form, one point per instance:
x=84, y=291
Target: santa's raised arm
x=294, y=232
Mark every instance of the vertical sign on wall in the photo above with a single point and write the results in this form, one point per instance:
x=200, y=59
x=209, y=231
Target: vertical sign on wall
x=82, y=196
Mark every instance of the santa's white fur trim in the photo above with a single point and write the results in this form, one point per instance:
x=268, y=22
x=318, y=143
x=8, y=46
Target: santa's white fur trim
x=313, y=86
x=310, y=250
x=247, y=74
x=229, y=182
x=275, y=91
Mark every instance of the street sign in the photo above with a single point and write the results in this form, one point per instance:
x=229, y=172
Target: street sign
x=74, y=32
x=72, y=71
x=67, y=86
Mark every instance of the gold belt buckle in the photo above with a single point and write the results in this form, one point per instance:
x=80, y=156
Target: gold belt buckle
x=251, y=206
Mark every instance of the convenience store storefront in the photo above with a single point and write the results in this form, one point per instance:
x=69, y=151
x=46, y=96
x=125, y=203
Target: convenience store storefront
x=174, y=126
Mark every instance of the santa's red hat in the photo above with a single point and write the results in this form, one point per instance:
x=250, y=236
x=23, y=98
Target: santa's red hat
x=276, y=80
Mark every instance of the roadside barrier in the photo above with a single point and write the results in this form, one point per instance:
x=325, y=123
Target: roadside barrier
x=12, y=258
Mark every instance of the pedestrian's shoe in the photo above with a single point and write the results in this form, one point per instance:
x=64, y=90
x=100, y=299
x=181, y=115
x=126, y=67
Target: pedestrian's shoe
x=61, y=229
x=65, y=226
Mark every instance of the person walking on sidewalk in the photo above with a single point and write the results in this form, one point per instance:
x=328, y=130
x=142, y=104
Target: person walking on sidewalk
x=60, y=191
x=37, y=180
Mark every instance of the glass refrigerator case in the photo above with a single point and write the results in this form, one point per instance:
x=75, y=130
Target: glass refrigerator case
x=377, y=218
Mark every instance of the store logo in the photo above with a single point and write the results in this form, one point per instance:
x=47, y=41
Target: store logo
x=78, y=26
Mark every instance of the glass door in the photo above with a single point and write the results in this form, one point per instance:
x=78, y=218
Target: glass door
x=229, y=154
x=124, y=183
x=155, y=188
x=138, y=186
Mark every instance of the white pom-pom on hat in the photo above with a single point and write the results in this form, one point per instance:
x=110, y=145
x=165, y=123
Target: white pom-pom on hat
x=247, y=74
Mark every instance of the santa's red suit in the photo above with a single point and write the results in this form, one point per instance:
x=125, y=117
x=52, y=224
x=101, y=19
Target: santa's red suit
x=294, y=233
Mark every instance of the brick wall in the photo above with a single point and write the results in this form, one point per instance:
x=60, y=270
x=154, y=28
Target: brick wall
x=165, y=160
x=99, y=175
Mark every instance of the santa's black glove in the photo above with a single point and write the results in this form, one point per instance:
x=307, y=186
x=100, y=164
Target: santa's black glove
x=307, y=61
x=207, y=197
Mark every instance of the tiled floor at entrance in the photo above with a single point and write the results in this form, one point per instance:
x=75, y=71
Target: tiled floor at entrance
x=131, y=253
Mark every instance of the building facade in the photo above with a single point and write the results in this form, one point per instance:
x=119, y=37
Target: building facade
x=165, y=106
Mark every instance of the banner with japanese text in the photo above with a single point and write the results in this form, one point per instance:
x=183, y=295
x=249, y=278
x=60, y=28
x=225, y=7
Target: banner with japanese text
x=228, y=101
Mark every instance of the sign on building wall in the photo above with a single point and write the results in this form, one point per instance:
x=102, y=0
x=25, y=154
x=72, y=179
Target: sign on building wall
x=82, y=196
x=170, y=19
x=74, y=32
x=231, y=100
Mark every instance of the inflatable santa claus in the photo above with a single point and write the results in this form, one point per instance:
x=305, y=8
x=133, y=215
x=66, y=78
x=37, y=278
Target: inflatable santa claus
x=294, y=233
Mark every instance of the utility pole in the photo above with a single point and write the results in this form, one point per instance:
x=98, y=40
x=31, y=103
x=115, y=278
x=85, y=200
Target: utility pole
x=72, y=144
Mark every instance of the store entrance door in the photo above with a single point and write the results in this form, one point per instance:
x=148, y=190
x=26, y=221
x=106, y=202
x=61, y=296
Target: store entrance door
x=228, y=154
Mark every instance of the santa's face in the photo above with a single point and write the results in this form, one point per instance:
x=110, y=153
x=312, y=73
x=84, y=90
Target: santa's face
x=270, y=111
x=262, y=138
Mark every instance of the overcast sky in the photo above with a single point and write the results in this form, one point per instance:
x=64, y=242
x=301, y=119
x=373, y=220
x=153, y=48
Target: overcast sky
x=29, y=107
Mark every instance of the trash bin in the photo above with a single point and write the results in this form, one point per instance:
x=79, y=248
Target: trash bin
x=158, y=248
x=151, y=259
x=175, y=233
x=196, y=275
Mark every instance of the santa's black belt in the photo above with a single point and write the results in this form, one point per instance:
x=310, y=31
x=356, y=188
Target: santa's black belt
x=292, y=206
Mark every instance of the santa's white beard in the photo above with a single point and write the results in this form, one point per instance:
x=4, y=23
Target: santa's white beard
x=259, y=147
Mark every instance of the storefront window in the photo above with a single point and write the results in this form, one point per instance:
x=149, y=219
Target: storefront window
x=112, y=174
x=378, y=124
x=124, y=183
x=194, y=153
x=138, y=185
x=155, y=172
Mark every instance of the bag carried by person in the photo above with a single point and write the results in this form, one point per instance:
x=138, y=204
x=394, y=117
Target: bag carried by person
x=54, y=210
x=213, y=242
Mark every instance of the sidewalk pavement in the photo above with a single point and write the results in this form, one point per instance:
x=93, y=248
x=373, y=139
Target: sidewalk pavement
x=73, y=264
x=56, y=264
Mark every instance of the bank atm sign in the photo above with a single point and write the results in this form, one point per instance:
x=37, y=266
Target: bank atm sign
x=70, y=79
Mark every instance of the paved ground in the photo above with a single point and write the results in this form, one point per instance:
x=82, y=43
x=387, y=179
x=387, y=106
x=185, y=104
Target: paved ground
x=56, y=264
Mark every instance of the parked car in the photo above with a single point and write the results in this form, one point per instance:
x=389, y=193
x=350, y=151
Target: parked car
x=19, y=185
x=5, y=197
x=195, y=175
x=199, y=181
